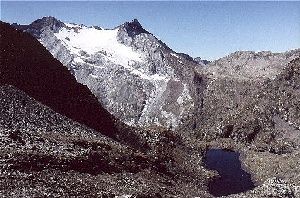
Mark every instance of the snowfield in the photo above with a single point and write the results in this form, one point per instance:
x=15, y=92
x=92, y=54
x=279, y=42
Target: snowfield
x=92, y=40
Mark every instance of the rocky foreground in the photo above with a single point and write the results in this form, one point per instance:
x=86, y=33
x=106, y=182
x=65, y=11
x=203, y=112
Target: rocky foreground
x=47, y=154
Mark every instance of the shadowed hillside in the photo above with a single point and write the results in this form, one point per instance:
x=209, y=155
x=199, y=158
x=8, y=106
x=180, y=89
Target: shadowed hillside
x=27, y=65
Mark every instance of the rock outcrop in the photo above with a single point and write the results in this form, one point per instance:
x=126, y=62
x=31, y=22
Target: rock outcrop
x=201, y=61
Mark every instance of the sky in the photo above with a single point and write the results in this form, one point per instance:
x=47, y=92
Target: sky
x=209, y=30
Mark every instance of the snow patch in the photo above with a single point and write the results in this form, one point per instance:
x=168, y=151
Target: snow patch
x=131, y=122
x=92, y=40
x=151, y=78
x=72, y=25
x=184, y=96
x=149, y=113
x=171, y=119
x=123, y=196
x=93, y=76
x=78, y=60
x=173, y=54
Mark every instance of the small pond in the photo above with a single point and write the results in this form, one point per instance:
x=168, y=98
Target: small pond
x=233, y=179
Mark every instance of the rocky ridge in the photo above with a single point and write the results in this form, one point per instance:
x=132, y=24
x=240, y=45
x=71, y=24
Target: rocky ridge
x=133, y=74
x=249, y=65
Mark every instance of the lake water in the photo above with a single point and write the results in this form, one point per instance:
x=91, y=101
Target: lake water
x=233, y=179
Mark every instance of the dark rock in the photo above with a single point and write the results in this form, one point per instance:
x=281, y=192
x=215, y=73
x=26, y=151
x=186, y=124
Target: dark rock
x=134, y=28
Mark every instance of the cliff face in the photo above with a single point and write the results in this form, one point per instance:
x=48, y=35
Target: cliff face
x=134, y=75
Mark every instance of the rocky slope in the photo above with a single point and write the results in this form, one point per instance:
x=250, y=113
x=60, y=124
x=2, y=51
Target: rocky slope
x=249, y=65
x=27, y=65
x=253, y=111
x=133, y=74
x=259, y=116
x=46, y=154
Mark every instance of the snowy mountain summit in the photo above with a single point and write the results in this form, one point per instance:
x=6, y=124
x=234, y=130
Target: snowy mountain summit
x=136, y=77
x=82, y=41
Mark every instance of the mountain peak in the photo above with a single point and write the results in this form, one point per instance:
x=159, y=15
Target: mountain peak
x=37, y=26
x=134, y=28
x=48, y=18
x=135, y=22
x=201, y=61
x=48, y=21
